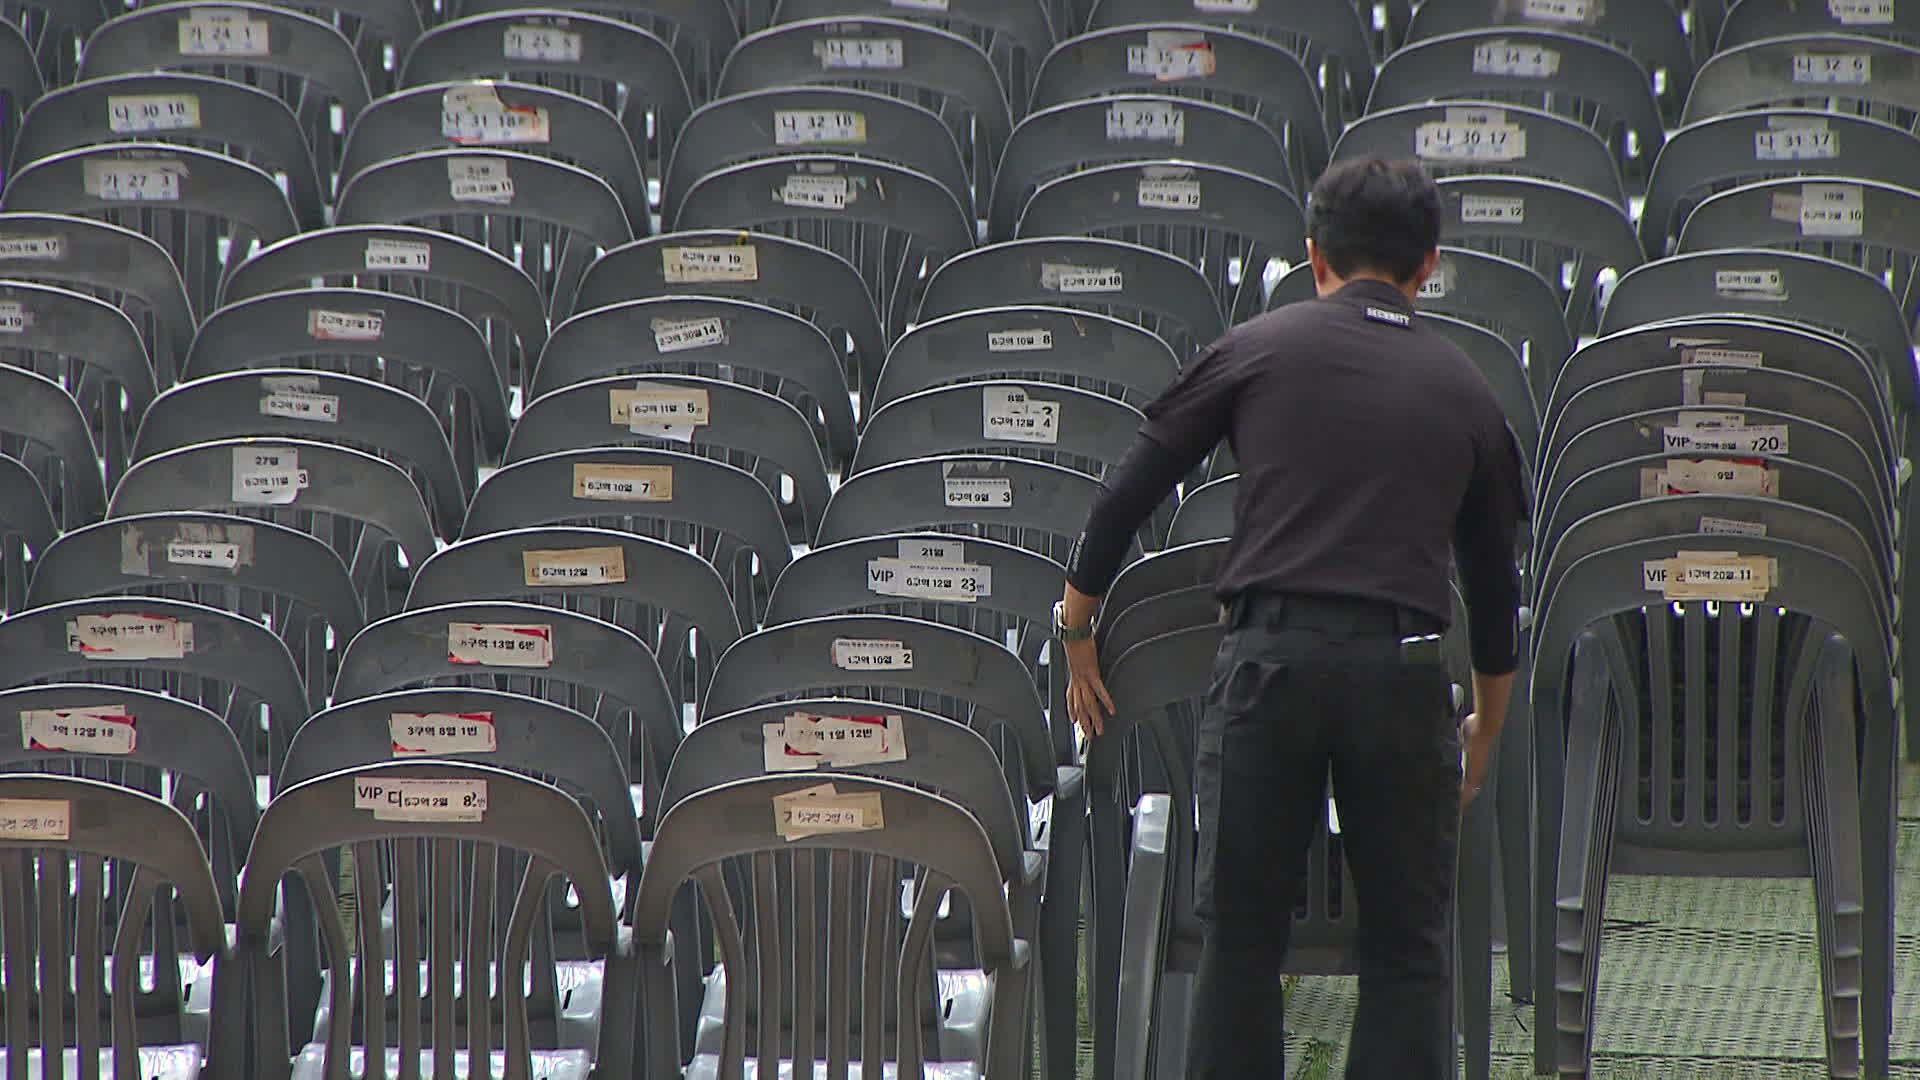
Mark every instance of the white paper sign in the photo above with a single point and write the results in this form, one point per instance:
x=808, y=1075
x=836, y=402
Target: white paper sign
x=442, y=733
x=477, y=179
x=1439, y=140
x=14, y=317
x=542, y=44
x=133, y=179
x=35, y=819
x=393, y=799
x=1861, y=12
x=623, y=483
x=500, y=644
x=133, y=113
x=267, y=477
x=1438, y=283
x=1515, y=60
x=344, y=325
x=1833, y=69
x=823, y=809
x=129, y=637
x=1722, y=357
x=1172, y=56
x=734, y=262
x=1146, y=121
x=219, y=556
x=1683, y=476
x=399, y=255
x=86, y=729
x=1492, y=210
x=1756, y=284
x=869, y=654
x=1008, y=415
x=1226, y=7
x=298, y=405
x=875, y=53
x=574, y=566
x=1719, y=526
x=941, y=551
x=979, y=492
x=1832, y=210
x=961, y=583
x=679, y=335
x=1170, y=194
x=814, y=192
x=1067, y=278
x=213, y=32
x=807, y=127
x=36, y=248
x=1710, y=575
x=665, y=412
x=1800, y=140
x=1557, y=11
x=475, y=115
x=1764, y=439
x=919, y=5
x=1035, y=340
x=803, y=742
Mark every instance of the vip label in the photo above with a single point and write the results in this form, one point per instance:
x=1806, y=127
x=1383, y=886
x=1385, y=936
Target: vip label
x=574, y=566
x=735, y=262
x=1146, y=121
x=500, y=644
x=877, y=53
x=152, y=112
x=129, y=637
x=1764, y=439
x=807, y=127
x=211, y=32
x=623, y=483
x=543, y=44
x=1694, y=575
x=868, y=654
x=87, y=729
x=422, y=800
x=133, y=179
x=415, y=734
x=298, y=405
x=954, y=582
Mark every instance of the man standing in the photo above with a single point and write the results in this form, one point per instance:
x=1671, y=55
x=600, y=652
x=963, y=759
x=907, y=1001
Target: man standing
x=1368, y=446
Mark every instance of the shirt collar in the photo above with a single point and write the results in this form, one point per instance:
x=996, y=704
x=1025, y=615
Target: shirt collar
x=1375, y=292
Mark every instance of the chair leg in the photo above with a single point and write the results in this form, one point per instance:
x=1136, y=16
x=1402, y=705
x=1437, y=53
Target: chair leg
x=1833, y=815
x=1473, y=915
x=1059, y=937
x=1592, y=793
x=1512, y=803
x=1108, y=823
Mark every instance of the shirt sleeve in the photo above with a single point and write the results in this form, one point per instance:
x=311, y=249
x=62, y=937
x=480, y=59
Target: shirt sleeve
x=1193, y=414
x=1484, y=538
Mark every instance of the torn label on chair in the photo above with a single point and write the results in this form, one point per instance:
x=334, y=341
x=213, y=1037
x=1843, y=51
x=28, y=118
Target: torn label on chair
x=1755, y=284
x=544, y=44
x=1719, y=526
x=1515, y=60
x=36, y=819
x=1492, y=210
x=500, y=644
x=1760, y=439
x=664, y=412
x=1795, y=138
x=678, y=335
x=478, y=179
x=129, y=114
x=1168, y=194
x=1067, y=278
x=869, y=654
x=574, y=566
x=1172, y=55
x=1469, y=139
x=954, y=582
x=218, y=32
x=1682, y=476
x=1034, y=340
x=345, y=325
x=301, y=405
x=880, y=53
x=1147, y=121
x=267, y=477
x=129, y=637
x=1861, y=12
x=1833, y=69
x=807, y=127
x=81, y=729
x=817, y=810
x=206, y=553
x=815, y=192
x=399, y=255
x=442, y=733
x=732, y=262
x=409, y=799
x=1711, y=575
x=473, y=114
x=133, y=179
x=1009, y=415
x=804, y=741
x=623, y=483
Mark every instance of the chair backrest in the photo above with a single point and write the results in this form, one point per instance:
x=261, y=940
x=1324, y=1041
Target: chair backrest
x=92, y=844
x=26, y=529
x=382, y=33
x=1499, y=363
x=1162, y=573
x=119, y=265
x=1082, y=349
x=1746, y=23
x=1036, y=421
x=701, y=34
x=1489, y=139
x=89, y=346
x=467, y=853
x=41, y=426
x=52, y=33
x=21, y=84
x=1015, y=35
x=1030, y=504
x=1716, y=152
x=1825, y=70
x=713, y=337
x=810, y=281
x=198, y=110
x=1205, y=514
x=1568, y=236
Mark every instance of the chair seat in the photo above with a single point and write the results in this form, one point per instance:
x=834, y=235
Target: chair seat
x=577, y=983
x=156, y=1063
x=547, y=1064
x=707, y=1067
x=966, y=1006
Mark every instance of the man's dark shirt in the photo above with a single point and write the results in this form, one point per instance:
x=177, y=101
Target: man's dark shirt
x=1367, y=444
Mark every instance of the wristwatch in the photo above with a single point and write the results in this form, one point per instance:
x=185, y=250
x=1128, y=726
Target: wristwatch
x=1064, y=632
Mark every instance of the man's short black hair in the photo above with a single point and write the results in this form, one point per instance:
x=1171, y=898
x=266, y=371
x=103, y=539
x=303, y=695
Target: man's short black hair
x=1375, y=216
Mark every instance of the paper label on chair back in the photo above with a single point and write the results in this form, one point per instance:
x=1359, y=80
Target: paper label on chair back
x=1035, y=340
x=14, y=317
x=574, y=566
x=933, y=551
x=35, y=819
x=1831, y=210
x=267, y=477
x=1761, y=439
x=989, y=492
x=809, y=127
x=133, y=179
x=1861, y=12
x=482, y=180
x=1067, y=278
x=129, y=637
x=85, y=729
x=1009, y=415
x=1226, y=7
x=399, y=255
x=955, y=582
x=393, y=799
x=1172, y=55
x=1563, y=12
x=1794, y=138
x=37, y=248
x=1146, y=121
x=298, y=405
x=1515, y=60
x=878, y=53
x=543, y=44
x=473, y=114
x=678, y=335
x=215, y=32
x=1833, y=69
x=664, y=412
x=1681, y=476
x=1492, y=210
x=1460, y=140
x=1719, y=526
x=732, y=262
x=217, y=556
x=623, y=483
x=442, y=733
x=132, y=113
x=815, y=192
x=817, y=810
x=870, y=654
x=919, y=5
x=804, y=741
x=1711, y=575
x=1169, y=194
x=345, y=325
x=1759, y=283
x=500, y=644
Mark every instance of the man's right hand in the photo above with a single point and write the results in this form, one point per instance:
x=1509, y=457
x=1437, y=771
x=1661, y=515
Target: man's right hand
x=1479, y=743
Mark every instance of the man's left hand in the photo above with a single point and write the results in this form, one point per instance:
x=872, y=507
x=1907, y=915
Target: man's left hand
x=1087, y=699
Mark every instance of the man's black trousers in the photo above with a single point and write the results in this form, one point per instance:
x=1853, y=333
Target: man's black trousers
x=1302, y=687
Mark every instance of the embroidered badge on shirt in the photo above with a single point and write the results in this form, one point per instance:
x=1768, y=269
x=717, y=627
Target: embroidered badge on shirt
x=1392, y=318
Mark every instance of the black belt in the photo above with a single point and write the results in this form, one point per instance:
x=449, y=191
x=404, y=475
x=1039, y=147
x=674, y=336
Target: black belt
x=1259, y=607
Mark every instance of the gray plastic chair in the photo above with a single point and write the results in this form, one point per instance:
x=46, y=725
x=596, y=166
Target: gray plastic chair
x=745, y=427
x=1140, y=284
x=1694, y=817
x=1053, y=345
x=1030, y=420
x=1030, y=504
x=728, y=516
x=656, y=590
x=1581, y=78
x=1716, y=152
x=885, y=973
x=448, y=271
x=197, y=110
x=302, y=60
x=1016, y=35
x=360, y=505
x=1061, y=139
x=118, y=265
x=701, y=34
x=381, y=31
x=1489, y=139
x=550, y=218
x=887, y=221
x=559, y=125
x=327, y=407
x=940, y=69
x=715, y=337
x=91, y=348
x=50, y=36
x=42, y=428
x=1747, y=23
x=1500, y=364
x=479, y=893
x=282, y=578
x=1206, y=513
x=1568, y=236
x=207, y=209
x=843, y=120
x=627, y=69
x=810, y=281
x=1651, y=31
x=26, y=529
x=1860, y=74
x=1247, y=73
x=76, y=836
x=1229, y=223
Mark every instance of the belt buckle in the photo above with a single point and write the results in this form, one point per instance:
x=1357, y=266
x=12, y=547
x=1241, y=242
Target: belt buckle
x=1420, y=649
